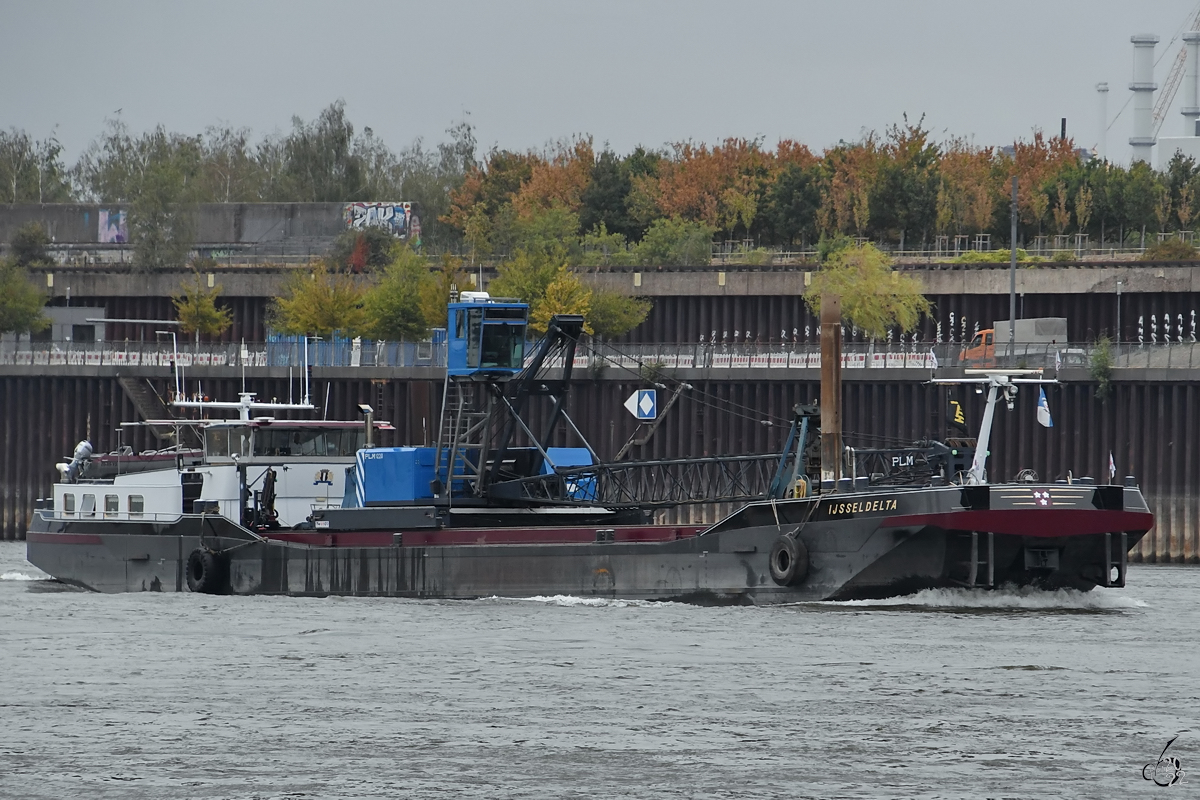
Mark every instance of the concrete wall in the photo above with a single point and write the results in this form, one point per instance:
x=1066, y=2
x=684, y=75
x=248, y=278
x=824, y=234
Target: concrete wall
x=216, y=223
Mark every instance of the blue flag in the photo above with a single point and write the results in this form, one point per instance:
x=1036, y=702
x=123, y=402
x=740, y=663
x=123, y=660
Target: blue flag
x=1043, y=412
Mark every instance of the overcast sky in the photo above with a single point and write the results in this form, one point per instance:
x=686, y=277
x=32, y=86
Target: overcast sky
x=629, y=73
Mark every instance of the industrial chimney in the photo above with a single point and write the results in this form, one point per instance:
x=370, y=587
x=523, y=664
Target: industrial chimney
x=1143, y=87
x=1102, y=131
x=1191, y=84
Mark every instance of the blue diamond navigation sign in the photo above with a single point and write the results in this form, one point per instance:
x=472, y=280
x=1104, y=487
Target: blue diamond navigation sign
x=643, y=404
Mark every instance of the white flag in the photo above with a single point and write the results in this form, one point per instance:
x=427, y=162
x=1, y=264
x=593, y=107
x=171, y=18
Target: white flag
x=1043, y=412
x=933, y=359
x=1057, y=360
x=1112, y=466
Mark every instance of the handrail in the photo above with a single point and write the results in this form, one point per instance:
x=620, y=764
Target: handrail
x=724, y=355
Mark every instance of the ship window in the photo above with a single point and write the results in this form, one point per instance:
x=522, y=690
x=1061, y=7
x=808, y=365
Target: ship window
x=474, y=335
x=216, y=442
x=68, y=503
x=112, y=505
x=314, y=442
x=88, y=507
x=137, y=505
x=503, y=346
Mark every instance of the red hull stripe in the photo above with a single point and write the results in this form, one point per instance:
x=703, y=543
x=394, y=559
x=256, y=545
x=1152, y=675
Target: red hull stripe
x=1041, y=522
x=64, y=538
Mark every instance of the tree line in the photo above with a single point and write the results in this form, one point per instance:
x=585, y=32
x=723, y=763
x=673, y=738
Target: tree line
x=901, y=188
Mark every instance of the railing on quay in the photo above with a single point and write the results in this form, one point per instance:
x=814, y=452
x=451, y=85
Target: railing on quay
x=635, y=358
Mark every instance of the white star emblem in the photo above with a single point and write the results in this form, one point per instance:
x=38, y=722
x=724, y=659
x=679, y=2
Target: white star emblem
x=1042, y=498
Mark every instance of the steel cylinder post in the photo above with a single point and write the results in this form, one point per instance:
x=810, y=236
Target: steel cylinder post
x=831, y=389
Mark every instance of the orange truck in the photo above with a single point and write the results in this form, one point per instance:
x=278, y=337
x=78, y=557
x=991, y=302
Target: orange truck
x=1033, y=339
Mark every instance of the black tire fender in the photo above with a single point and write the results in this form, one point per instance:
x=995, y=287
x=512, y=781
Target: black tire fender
x=788, y=561
x=207, y=572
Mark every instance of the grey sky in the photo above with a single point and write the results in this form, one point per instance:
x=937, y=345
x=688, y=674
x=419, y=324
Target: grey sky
x=529, y=71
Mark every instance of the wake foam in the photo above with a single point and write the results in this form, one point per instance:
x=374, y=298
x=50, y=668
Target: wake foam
x=570, y=601
x=24, y=576
x=1006, y=598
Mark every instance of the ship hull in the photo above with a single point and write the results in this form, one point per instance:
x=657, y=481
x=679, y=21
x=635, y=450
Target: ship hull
x=871, y=544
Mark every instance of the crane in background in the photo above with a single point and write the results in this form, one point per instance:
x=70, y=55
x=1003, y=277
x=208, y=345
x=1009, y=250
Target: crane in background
x=1171, y=86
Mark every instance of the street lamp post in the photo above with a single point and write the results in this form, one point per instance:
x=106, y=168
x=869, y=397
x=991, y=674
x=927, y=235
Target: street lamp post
x=1119, y=311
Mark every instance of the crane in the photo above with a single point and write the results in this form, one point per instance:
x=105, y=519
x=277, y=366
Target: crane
x=1171, y=86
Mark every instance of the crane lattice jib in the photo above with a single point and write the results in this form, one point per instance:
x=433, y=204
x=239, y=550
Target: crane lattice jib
x=1171, y=86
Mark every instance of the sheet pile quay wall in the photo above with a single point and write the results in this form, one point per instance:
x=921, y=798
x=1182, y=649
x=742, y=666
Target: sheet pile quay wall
x=1156, y=300
x=1149, y=426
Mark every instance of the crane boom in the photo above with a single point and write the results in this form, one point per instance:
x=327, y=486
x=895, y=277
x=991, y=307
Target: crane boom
x=1174, y=78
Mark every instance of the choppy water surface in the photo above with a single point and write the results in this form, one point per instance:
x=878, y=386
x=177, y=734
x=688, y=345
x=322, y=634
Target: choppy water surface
x=942, y=694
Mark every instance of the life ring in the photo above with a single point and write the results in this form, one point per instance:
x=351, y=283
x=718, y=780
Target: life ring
x=788, y=561
x=207, y=572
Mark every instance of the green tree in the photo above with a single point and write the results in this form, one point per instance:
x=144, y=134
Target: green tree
x=392, y=306
x=364, y=250
x=197, y=311
x=525, y=276
x=29, y=245
x=435, y=294
x=21, y=301
x=676, y=242
x=31, y=171
x=606, y=196
x=565, y=294
x=603, y=249
x=318, y=303
x=792, y=203
x=612, y=314
x=874, y=297
x=429, y=178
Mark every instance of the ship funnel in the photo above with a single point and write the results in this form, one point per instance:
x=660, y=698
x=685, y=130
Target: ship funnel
x=1143, y=87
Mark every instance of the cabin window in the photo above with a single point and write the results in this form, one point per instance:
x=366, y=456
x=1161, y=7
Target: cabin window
x=987, y=339
x=68, y=504
x=503, y=345
x=474, y=335
x=137, y=505
x=112, y=505
x=313, y=442
x=88, y=507
x=216, y=442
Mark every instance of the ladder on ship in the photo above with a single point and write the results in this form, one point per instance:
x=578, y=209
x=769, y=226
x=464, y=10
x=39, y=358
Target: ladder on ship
x=464, y=433
x=973, y=559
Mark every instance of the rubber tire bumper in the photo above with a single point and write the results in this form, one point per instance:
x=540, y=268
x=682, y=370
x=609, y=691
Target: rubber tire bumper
x=207, y=572
x=789, y=561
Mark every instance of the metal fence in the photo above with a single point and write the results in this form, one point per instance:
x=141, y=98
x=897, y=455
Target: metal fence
x=633, y=357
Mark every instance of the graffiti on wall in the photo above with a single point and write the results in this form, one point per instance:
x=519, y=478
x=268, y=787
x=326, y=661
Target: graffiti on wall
x=112, y=227
x=401, y=219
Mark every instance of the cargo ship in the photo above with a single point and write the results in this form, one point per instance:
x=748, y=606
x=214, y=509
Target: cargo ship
x=313, y=508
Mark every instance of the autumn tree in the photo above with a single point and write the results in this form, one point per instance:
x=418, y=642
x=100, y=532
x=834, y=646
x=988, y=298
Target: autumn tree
x=564, y=294
x=197, y=311
x=874, y=297
x=318, y=303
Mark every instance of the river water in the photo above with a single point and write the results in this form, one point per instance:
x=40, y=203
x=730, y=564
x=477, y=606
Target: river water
x=944, y=694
